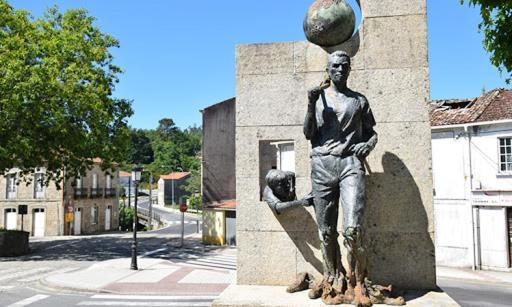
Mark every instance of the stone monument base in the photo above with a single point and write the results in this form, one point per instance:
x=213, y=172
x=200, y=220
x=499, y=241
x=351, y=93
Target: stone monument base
x=276, y=296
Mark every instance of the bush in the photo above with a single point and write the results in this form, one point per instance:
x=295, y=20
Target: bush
x=126, y=215
x=196, y=202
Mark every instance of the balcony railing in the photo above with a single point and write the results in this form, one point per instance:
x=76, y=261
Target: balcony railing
x=96, y=192
x=80, y=192
x=110, y=192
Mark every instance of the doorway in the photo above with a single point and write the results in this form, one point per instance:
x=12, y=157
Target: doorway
x=11, y=217
x=108, y=217
x=39, y=222
x=78, y=222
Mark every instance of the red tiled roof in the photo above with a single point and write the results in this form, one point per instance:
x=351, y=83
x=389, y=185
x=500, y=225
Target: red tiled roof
x=491, y=106
x=223, y=204
x=174, y=176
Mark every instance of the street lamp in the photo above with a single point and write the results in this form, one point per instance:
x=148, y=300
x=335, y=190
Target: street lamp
x=136, y=174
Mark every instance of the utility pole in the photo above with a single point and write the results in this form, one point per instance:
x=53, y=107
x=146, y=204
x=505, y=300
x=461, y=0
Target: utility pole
x=172, y=190
x=150, y=200
x=129, y=192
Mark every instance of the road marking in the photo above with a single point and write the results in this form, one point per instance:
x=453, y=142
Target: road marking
x=5, y=288
x=3, y=272
x=152, y=304
x=156, y=251
x=153, y=297
x=59, y=245
x=23, y=273
x=37, y=277
x=29, y=300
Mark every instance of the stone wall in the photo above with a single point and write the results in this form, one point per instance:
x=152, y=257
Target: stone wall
x=390, y=68
x=54, y=201
x=219, y=152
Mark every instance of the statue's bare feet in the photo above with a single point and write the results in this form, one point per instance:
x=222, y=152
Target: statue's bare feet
x=301, y=283
x=361, y=299
x=316, y=290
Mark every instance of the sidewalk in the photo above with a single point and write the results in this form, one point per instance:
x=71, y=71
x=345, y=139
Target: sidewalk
x=208, y=273
x=477, y=276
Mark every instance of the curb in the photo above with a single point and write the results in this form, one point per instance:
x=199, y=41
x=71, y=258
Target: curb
x=55, y=287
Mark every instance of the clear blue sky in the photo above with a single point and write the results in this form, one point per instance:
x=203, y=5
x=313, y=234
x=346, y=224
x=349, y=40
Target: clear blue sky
x=179, y=56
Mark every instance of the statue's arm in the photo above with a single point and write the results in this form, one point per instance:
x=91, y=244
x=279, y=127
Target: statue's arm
x=369, y=133
x=310, y=124
x=370, y=137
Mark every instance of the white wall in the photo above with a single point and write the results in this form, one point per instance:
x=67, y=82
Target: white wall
x=454, y=193
x=486, y=158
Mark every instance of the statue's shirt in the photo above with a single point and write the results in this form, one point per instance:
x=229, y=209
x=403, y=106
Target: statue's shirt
x=342, y=120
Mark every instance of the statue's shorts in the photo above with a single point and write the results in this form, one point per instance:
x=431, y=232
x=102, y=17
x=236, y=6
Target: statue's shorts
x=338, y=179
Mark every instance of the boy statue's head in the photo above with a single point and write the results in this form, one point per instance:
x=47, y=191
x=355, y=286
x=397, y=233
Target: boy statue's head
x=282, y=184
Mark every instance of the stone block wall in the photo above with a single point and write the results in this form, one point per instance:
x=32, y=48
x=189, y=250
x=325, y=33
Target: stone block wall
x=390, y=68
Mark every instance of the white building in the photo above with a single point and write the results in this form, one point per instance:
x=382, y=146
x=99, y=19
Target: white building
x=472, y=168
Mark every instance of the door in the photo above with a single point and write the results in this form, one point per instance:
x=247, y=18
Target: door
x=39, y=222
x=107, y=217
x=493, y=237
x=78, y=221
x=10, y=218
x=231, y=228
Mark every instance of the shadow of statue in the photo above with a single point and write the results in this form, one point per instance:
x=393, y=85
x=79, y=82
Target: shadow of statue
x=302, y=229
x=400, y=248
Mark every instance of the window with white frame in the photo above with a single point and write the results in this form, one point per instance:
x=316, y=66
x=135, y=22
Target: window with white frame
x=506, y=154
x=38, y=185
x=108, y=181
x=11, y=185
x=94, y=215
x=94, y=181
x=78, y=186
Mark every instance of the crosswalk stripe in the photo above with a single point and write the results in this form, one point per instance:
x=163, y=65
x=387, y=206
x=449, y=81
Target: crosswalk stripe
x=205, y=264
x=23, y=273
x=219, y=261
x=37, y=277
x=152, y=304
x=3, y=272
x=4, y=288
x=29, y=300
x=152, y=297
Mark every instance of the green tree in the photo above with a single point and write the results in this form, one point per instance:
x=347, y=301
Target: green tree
x=497, y=28
x=56, y=103
x=141, y=151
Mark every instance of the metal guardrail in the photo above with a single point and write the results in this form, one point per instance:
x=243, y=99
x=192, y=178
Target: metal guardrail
x=144, y=212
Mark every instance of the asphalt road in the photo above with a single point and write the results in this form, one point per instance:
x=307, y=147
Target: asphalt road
x=477, y=293
x=192, y=224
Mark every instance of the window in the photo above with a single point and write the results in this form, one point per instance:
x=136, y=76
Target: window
x=108, y=181
x=11, y=185
x=94, y=215
x=505, y=154
x=94, y=181
x=275, y=154
x=285, y=156
x=39, y=185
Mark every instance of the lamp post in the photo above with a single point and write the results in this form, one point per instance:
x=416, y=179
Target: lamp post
x=136, y=174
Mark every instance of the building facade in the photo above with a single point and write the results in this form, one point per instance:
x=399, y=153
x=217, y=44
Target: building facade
x=472, y=170
x=171, y=188
x=218, y=173
x=85, y=205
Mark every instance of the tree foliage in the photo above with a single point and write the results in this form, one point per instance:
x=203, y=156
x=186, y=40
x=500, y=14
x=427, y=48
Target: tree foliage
x=497, y=28
x=141, y=151
x=56, y=103
x=175, y=149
